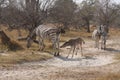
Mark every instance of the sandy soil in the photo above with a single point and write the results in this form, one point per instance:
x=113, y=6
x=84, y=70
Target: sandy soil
x=95, y=63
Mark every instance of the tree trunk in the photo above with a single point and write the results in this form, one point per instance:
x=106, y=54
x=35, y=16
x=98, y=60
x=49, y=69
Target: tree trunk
x=11, y=45
x=65, y=26
x=88, y=26
x=27, y=3
x=4, y=38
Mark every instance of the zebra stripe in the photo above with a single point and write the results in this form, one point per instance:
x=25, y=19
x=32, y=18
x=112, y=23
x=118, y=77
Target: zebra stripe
x=47, y=32
x=100, y=34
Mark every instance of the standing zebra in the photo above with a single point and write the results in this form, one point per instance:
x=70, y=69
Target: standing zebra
x=75, y=44
x=100, y=34
x=46, y=32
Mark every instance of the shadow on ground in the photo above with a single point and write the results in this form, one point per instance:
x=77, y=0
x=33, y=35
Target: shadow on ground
x=112, y=49
x=75, y=59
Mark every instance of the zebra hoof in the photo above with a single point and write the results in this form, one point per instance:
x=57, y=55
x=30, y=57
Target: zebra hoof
x=58, y=54
x=39, y=50
x=104, y=48
x=55, y=54
x=66, y=56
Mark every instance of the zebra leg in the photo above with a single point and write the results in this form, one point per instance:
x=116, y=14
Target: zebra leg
x=76, y=51
x=69, y=52
x=54, y=47
x=81, y=50
x=43, y=45
x=74, y=48
x=96, y=43
x=104, y=44
x=58, y=47
x=40, y=43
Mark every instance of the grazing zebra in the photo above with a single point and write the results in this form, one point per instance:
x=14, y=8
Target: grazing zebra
x=46, y=32
x=75, y=44
x=100, y=34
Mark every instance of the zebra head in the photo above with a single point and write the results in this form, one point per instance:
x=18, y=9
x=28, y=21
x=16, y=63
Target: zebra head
x=61, y=30
x=29, y=42
x=30, y=39
x=102, y=29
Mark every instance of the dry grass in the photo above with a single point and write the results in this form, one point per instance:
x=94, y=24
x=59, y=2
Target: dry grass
x=110, y=77
x=117, y=57
x=75, y=33
x=11, y=58
x=114, y=32
x=18, y=52
x=88, y=75
x=14, y=46
x=25, y=54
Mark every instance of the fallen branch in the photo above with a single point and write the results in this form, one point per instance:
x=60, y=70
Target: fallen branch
x=22, y=38
x=11, y=45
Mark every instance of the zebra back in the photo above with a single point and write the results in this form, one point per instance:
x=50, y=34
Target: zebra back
x=45, y=31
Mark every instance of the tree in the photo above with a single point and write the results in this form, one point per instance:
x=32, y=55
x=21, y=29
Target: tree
x=35, y=12
x=62, y=12
x=27, y=14
x=117, y=20
x=106, y=12
x=1, y=7
x=86, y=11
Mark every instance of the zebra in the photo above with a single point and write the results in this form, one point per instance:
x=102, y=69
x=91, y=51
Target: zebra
x=75, y=44
x=46, y=32
x=100, y=34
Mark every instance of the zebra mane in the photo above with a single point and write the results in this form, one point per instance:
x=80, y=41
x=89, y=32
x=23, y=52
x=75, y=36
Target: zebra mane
x=60, y=30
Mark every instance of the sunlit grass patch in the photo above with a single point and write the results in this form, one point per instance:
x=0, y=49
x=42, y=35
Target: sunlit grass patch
x=11, y=46
x=117, y=57
x=74, y=34
x=110, y=77
x=15, y=46
x=11, y=58
x=114, y=32
x=91, y=75
x=31, y=54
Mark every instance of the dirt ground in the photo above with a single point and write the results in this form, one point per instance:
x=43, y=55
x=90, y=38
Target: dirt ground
x=94, y=65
